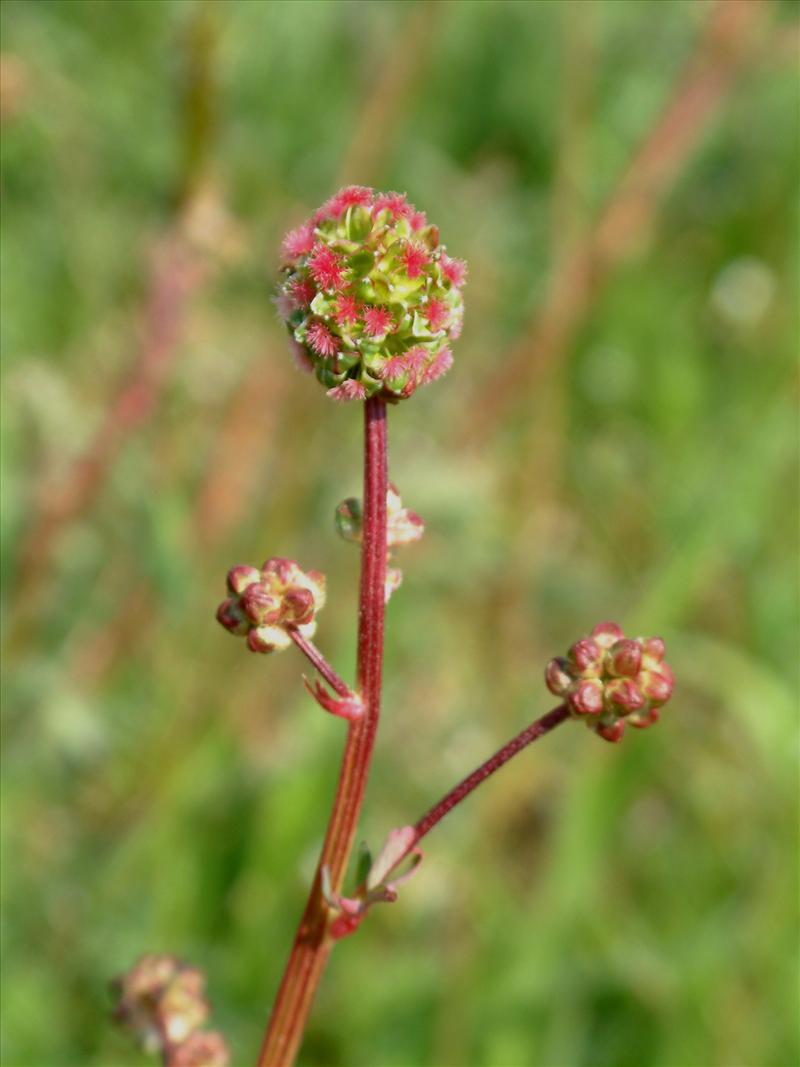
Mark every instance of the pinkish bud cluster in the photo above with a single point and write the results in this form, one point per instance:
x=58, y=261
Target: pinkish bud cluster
x=264, y=605
x=403, y=527
x=163, y=1002
x=609, y=680
x=370, y=297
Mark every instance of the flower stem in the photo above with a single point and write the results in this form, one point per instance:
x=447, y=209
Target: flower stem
x=320, y=664
x=531, y=733
x=312, y=944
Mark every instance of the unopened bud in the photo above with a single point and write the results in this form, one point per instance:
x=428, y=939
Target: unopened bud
x=611, y=731
x=622, y=696
x=230, y=615
x=268, y=639
x=260, y=605
x=349, y=519
x=557, y=676
x=299, y=605
x=240, y=577
x=606, y=633
x=653, y=649
x=624, y=658
x=586, y=657
x=283, y=569
x=586, y=697
x=642, y=719
x=657, y=685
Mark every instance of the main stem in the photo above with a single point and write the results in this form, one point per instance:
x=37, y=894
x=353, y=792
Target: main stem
x=312, y=944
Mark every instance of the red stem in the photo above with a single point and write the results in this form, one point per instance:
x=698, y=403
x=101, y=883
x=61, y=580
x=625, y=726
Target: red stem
x=312, y=944
x=531, y=733
x=320, y=664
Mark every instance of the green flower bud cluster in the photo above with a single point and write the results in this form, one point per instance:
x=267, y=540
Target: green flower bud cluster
x=609, y=680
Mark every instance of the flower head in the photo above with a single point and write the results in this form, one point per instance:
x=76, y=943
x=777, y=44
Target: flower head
x=610, y=681
x=265, y=604
x=371, y=296
x=160, y=998
x=162, y=1001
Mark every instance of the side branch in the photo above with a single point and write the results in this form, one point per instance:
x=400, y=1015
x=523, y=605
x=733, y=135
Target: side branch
x=459, y=792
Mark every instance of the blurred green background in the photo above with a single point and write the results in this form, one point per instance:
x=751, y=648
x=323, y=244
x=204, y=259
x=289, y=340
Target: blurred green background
x=615, y=440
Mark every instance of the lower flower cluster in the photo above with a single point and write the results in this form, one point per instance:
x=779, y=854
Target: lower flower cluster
x=266, y=604
x=163, y=1002
x=609, y=680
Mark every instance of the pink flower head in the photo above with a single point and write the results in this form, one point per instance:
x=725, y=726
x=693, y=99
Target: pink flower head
x=326, y=267
x=321, y=340
x=415, y=259
x=302, y=291
x=364, y=266
x=377, y=321
x=455, y=270
x=437, y=312
x=298, y=242
x=347, y=310
x=348, y=390
x=442, y=362
x=350, y=196
x=396, y=203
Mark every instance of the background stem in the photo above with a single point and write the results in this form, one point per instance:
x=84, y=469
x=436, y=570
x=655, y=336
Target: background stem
x=311, y=945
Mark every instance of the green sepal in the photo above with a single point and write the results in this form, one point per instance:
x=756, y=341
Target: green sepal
x=361, y=264
x=420, y=328
x=322, y=305
x=358, y=223
x=348, y=360
x=363, y=864
x=330, y=378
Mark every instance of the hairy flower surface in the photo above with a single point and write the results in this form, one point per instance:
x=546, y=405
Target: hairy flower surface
x=609, y=680
x=265, y=604
x=371, y=296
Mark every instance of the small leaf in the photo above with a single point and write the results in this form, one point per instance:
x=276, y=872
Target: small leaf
x=398, y=844
x=364, y=863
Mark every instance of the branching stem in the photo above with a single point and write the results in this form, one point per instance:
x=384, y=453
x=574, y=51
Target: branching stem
x=320, y=664
x=312, y=944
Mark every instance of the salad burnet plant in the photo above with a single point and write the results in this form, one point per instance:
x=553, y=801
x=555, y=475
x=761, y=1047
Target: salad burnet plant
x=372, y=301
